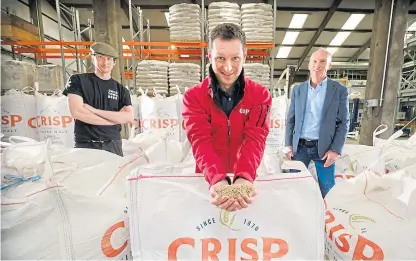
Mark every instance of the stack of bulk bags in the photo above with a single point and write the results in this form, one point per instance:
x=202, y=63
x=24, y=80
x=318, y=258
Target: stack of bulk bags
x=18, y=115
x=183, y=75
x=17, y=75
x=74, y=209
x=372, y=217
x=258, y=72
x=223, y=12
x=275, y=141
x=185, y=22
x=178, y=100
x=152, y=75
x=135, y=127
x=54, y=120
x=161, y=116
x=255, y=16
x=177, y=208
x=50, y=78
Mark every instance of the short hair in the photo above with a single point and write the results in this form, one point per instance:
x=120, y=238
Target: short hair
x=227, y=31
x=328, y=56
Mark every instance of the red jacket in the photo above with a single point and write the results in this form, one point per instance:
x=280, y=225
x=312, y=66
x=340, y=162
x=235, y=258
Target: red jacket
x=224, y=145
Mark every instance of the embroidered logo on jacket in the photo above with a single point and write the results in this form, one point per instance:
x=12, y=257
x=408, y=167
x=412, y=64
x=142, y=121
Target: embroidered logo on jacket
x=244, y=111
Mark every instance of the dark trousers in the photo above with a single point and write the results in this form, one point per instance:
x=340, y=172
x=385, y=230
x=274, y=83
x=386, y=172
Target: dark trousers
x=113, y=146
x=326, y=175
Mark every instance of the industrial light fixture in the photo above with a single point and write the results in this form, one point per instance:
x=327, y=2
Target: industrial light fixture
x=298, y=20
x=167, y=18
x=353, y=21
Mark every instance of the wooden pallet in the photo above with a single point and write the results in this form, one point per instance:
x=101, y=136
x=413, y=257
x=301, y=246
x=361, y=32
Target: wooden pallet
x=14, y=28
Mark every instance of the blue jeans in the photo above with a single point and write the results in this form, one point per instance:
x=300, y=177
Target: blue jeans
x=326, y=176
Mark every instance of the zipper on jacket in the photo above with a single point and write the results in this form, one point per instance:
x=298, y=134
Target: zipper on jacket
x=229, y=131
x=229, y=144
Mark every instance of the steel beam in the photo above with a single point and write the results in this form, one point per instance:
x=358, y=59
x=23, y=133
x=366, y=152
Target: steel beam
x=320, y=46
x=35, y=7
x=361, y=50
x=328, y=17
x=125, y=7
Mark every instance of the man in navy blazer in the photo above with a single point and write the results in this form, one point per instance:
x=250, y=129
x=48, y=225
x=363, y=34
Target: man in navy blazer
x=318, y=120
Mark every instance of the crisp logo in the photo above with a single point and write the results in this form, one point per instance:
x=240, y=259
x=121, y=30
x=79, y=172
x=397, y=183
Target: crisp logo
x=354, y=246
x=113, y=94
x=229, y=248
x=244, y=111
x=106, y=246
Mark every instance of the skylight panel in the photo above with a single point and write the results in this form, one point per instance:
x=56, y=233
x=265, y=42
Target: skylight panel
x=298, y=20
x=353, y=21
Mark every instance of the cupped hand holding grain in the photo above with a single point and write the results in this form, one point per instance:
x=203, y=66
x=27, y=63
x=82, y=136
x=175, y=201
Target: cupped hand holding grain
x=233, y=197
x=220, y=200
x=248, y=192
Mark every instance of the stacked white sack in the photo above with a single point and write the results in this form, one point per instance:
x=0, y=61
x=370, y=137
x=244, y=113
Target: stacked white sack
x=254, y=17
x=152, y=74
x=18, y=115
x=258, y=72
x=54, y=120
x=372, y=217
x=48, y=217
x=223, y=12
x=185, y=22
x=221, y=235
x=183, y=75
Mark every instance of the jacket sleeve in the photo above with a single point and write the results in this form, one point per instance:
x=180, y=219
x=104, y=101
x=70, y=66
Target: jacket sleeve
x=255, y=132
x=290, y=120
x=343, y=123
x=198, y=131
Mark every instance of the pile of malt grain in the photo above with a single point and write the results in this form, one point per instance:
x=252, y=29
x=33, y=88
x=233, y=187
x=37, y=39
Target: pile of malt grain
x=234, y=191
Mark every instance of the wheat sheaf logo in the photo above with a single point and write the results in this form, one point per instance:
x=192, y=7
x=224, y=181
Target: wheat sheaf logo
x=227, y=219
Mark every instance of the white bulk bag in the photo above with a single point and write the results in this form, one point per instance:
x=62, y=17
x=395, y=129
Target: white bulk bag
x=159, y=113
x=399, y=153
x=165, y=151
x=25, y=157
x=372, y=217
x=135, y=125
x=178, y=100
x=18, y=115
x=358, y=158
x=285, y=221
x=270, y=164
x=76, y=215
x=276, y=138
x=54, y=120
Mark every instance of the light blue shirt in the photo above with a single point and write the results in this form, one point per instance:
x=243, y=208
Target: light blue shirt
x=313, y=110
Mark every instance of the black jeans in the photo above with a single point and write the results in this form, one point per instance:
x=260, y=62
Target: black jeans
x=113, y=146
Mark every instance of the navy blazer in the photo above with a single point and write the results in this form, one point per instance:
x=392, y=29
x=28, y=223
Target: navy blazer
x=335, y=117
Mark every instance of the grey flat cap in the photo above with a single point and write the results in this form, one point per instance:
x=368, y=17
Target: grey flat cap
x=103, y=49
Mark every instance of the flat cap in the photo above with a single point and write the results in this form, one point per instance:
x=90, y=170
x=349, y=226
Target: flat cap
x=103, y=49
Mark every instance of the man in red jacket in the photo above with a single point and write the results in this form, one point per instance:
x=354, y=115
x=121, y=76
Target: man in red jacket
x=227, y=118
